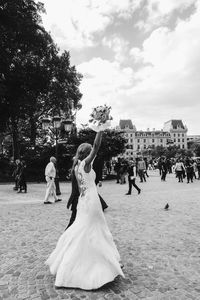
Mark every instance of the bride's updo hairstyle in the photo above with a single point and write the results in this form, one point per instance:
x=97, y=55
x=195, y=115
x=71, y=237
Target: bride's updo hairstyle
x=82, y=152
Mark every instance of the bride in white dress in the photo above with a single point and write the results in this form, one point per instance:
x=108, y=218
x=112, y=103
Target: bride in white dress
x=85, y=256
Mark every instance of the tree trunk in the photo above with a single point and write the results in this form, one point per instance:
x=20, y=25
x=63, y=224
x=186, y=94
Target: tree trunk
x=15, y=144
x=33, y=131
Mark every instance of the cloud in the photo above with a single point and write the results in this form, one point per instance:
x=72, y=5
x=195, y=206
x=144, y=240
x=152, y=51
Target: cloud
x=161, y=77
x=165, y=86
x=73, y=23
x=159, y=12
x=118, y=45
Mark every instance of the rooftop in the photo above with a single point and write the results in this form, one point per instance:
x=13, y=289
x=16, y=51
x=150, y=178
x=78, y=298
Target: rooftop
x=176, y=124
x=124, y=124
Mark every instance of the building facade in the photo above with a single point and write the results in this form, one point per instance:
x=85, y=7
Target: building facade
x=138, y=141
x=178, y=132
x=142, y=141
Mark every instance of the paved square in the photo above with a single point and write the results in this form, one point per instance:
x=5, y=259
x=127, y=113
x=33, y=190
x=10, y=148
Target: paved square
x=160, y=249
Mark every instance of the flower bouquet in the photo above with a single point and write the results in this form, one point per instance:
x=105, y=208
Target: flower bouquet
x=100, y=118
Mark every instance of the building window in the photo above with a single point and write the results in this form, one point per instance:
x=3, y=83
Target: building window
x=182, y=134
x=174, y=140
x=178, y=134
x=131, y=135
x=152, y=140
x=131, y=140
x=145, y=146
x=138, y=140
x=179, y=140
x=144, y=140
x=183, y=146
x=161, y=140
x=138, y=146
x=183, y=140
x=174, y=134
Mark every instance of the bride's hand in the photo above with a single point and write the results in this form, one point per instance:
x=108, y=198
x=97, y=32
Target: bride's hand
x=101, y=127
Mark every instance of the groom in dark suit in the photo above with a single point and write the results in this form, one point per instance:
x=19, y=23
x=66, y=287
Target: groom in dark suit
x=73, y=199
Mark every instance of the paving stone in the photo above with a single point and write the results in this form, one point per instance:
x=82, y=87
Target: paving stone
x=159, y=249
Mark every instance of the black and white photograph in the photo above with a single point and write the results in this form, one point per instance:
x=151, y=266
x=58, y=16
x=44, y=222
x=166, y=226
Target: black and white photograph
x=99, y=149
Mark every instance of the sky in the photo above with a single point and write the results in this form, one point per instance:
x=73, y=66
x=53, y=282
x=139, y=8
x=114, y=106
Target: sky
x=141, y=57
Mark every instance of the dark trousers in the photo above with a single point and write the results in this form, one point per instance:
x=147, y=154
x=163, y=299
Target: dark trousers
x=56, y=180
x=163, y=175
x=198, y=169
x=23, y=186
x=103, y=203
x=16, y=184
x=180, y=176
x=131, y=182
x=72, y=219
x=189, y=177
x=141, y=175
x=118, y=176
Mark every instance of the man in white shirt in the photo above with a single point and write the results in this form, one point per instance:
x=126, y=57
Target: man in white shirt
x=50, y=174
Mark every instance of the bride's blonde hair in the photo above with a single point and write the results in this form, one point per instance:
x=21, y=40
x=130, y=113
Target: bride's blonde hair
x=82, y=152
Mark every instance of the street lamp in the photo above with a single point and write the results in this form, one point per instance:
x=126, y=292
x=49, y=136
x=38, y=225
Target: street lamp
x=54, y=124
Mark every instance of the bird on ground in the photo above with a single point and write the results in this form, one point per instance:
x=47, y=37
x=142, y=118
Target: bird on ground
x=167, y=206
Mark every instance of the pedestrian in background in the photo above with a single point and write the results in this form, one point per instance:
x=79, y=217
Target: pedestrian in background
x=131, y=170
x=163, y=168
x=198, y=168
x=22, y=185
x=194, y=168
x=16, y=173
x=50, y=174
x=117, y=169
x=180, y=170
x=189, y=170
x=123, y=172
x=141, y=168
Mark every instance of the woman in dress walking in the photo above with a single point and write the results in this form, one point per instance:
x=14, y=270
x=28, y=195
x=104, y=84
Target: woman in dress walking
x=86, y=256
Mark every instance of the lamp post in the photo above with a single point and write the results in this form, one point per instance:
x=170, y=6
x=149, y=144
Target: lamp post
x=54, y=124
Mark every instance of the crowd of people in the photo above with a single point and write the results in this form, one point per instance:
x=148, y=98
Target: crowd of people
x=125, y=171
x=184, y=168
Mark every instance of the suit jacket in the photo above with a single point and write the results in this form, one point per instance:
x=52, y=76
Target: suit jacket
x=98, y=168
x=73, y=199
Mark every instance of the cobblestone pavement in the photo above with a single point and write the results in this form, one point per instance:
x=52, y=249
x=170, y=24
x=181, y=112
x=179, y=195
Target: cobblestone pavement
x=160, y=249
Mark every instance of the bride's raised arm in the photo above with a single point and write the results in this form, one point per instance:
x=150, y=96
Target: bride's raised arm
x=93, y=153
x=100, y=119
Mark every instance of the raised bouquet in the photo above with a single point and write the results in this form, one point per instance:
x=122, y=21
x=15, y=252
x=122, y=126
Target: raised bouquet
x=100, y=118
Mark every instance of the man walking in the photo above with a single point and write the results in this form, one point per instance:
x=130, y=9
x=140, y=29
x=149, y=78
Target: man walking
x=50, y=174
x=131, y=178
x=163, y=169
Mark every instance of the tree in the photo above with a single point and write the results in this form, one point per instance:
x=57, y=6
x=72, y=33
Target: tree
x=22, y=38
x=34, y=77
x=112, y=144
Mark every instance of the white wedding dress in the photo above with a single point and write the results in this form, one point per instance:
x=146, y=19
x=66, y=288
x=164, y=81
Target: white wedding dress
x=86, y=256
